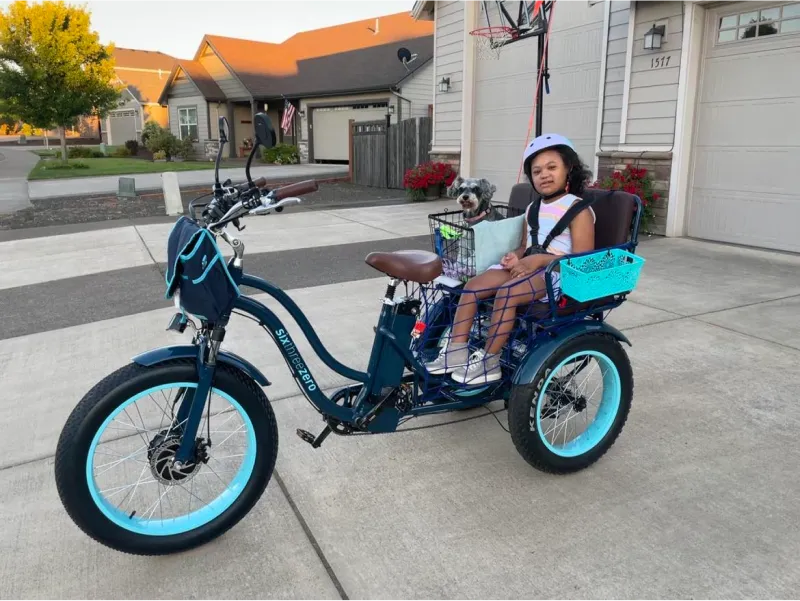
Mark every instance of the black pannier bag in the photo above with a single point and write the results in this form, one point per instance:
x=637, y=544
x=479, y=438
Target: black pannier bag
x=197, y=270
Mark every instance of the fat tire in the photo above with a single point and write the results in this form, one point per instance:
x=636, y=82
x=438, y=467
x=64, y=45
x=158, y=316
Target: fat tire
x=82, y=424
x=530, y=445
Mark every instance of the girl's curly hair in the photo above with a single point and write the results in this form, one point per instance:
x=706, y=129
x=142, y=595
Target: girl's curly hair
x=578, y=174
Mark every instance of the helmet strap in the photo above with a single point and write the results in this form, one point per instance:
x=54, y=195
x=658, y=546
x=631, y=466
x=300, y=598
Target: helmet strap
x=560, y=192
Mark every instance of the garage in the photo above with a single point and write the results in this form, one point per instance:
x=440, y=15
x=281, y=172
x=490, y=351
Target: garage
x=123, y=126
x=329, y=124
x=744, y=186
x=505, y=88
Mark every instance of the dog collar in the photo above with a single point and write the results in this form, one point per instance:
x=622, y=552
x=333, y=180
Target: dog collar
x=479, y=216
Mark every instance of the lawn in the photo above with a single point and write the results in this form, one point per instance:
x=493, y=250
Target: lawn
x=111, y=166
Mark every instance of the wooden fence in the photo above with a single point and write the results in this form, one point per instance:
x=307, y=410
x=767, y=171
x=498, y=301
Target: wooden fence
x=380, y=158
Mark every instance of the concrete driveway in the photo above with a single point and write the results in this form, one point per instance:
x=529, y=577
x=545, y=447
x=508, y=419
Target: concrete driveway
x=15, y=164
x=697, y=499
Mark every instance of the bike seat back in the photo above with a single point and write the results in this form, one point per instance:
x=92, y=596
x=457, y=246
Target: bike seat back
x=613, y=209
x=410, y=265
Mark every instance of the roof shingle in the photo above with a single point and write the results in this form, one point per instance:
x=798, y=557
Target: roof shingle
x=348, y=57
x=144, y=72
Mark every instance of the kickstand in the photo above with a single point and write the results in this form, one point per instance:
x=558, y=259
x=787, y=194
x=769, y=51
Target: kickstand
x=309, y=437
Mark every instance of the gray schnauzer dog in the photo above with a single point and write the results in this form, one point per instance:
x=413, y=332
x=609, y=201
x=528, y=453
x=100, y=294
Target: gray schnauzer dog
x=474, y=196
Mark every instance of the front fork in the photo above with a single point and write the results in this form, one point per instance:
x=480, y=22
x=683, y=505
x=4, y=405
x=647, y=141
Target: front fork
x=191, y=410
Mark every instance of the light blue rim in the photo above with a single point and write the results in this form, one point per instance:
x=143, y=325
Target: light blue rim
x=606, y=413
x=191, y=521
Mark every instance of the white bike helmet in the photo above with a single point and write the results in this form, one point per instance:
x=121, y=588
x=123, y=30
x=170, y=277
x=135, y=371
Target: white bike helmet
x=537, y=145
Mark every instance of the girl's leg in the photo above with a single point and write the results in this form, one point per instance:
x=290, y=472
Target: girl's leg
x=478, y=288
x=522, y=291
x=484, y=366
x=456, y=353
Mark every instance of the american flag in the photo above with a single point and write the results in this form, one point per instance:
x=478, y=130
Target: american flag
x=288, y=116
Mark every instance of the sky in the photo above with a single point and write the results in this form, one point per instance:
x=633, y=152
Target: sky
x=177, y=26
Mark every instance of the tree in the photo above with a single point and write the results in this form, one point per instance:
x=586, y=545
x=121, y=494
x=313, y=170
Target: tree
x=53, y=68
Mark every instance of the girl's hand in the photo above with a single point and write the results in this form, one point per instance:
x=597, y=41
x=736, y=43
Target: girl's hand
x=519, y=270
x=509, y=261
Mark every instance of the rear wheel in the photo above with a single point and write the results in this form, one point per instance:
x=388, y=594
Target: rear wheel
x=114, y=469
x=575, y=407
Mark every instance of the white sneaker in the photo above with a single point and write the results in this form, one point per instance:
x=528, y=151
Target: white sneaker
x=450, y=358
x=481, y=369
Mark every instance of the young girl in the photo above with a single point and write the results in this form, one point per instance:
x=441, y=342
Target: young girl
x=558, y=175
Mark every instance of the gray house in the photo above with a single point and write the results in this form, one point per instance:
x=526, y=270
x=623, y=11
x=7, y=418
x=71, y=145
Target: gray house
x=713, y=111
x=330, y=76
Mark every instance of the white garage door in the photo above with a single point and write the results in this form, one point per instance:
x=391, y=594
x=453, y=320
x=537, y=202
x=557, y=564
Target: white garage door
x=123, y=126
x=504, y=93
x=330, y=126
x=745, y=186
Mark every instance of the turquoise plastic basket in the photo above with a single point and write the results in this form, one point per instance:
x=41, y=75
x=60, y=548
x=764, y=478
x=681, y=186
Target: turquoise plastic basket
x=600, y=274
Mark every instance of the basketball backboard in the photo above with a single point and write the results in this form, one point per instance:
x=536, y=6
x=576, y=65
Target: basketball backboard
x=505, y=22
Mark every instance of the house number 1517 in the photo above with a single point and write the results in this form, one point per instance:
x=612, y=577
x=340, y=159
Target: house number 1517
x=659, y=62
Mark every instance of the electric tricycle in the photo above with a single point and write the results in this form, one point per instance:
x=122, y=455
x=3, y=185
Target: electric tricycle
x=173, y=449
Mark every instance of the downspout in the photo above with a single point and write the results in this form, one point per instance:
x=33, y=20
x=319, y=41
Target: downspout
x=400, y=106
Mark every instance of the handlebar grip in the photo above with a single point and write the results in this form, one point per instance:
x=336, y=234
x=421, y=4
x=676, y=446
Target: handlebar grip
x=258, y=183
x=295, y=189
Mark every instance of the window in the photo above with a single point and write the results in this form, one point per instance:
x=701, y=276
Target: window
x=759, y=23
x=187, y=123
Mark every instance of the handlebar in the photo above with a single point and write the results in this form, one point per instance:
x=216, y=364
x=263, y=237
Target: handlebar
x=296, y=189
x=258, y=183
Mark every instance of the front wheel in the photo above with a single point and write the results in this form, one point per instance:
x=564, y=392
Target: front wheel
x=575, y=407
x=114, y=469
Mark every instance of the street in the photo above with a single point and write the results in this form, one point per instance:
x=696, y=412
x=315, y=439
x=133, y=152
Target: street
x=697, y=498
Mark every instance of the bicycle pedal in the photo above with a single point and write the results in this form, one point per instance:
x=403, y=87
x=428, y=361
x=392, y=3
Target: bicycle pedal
x=314, y=441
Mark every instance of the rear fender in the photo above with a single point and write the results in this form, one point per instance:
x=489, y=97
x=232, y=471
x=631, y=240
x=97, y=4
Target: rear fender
x=188, y=351
x=533, y=361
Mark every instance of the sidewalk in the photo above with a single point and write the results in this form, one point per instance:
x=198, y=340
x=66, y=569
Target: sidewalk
x=15, y=164
x=152, y=181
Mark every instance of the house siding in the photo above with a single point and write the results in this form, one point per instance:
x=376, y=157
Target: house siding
x=202, y=117
x=182, y=87
x=449, y=57
x=653, y=94
x=616, y=53
x=227, y=82
x=418, y=89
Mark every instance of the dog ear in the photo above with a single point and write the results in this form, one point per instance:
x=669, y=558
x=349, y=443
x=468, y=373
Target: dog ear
x=452, y=191
x=487, y=189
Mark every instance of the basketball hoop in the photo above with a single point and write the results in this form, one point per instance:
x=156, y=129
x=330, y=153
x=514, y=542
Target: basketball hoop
x=490, y=40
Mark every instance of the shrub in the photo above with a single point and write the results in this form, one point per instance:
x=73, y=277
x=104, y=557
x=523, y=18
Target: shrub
x=159, y=155
x=184, y=148
x=633, y=180
x=52, y=165
x=121, y=152
x=281, y=154
x=427, y=175
x=132, y=146
x=81, y=152
x=159, y=139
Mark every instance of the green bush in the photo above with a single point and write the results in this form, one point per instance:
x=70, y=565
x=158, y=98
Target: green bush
x=83, y=152
x=61, y=165
x=281, y=154
x=121, y=152
x=132, y=146
x=184, y=148
x=160, y=139
x=159, y=155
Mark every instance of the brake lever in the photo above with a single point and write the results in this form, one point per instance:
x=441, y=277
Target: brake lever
x=236, y=223
x=278, y=206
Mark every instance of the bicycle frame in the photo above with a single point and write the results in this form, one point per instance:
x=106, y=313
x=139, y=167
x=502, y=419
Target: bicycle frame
x=389, y=356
